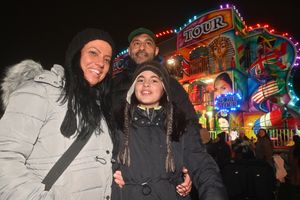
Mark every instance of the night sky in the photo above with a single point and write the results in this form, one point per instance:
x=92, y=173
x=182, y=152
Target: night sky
x=41, y=30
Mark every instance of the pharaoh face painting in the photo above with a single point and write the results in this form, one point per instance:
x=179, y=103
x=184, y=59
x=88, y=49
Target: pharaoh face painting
x=221, y=54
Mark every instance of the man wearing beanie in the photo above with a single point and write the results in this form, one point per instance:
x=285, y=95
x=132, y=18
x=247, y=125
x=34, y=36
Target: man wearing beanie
x=59, y=114
x=155, y=143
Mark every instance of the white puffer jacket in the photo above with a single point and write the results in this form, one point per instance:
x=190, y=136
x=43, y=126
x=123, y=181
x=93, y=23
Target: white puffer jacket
x=31, y=142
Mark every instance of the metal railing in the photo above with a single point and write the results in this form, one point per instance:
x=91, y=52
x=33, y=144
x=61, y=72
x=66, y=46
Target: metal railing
x=279, y=137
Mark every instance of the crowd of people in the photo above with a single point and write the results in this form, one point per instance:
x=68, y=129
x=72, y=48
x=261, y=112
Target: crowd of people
x=241, y=153
x=240, y=148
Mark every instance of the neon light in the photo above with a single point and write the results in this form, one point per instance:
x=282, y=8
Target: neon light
x=229, y=102
x=248, y=28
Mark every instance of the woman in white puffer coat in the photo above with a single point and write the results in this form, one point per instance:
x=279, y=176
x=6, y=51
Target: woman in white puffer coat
x=45, y=111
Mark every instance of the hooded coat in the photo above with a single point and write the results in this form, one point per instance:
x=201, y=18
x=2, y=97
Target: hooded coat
x=44, y=114
x=123, y=80
x=31, y=141
x=146, y=178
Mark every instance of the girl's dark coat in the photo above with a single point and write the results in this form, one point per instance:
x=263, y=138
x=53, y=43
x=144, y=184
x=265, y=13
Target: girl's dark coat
x=146, y=178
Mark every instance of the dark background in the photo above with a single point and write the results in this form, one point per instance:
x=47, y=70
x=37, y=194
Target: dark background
x=41, y=30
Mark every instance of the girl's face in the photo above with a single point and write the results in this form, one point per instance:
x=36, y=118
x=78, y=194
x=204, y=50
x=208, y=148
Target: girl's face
x=95, y=61
x=221, y=87
x=148, y=89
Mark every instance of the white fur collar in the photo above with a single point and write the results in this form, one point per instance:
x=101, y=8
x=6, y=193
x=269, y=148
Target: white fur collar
x=16, y=75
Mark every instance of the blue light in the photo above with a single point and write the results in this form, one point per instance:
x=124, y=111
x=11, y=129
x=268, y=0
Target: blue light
x=228, y=102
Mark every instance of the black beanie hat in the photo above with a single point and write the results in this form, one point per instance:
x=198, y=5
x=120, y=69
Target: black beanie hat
x=82, y=38
x=158, y=69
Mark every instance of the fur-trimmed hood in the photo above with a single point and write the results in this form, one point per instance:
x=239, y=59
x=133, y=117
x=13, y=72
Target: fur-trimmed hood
x=179, y=122
x=20, y=73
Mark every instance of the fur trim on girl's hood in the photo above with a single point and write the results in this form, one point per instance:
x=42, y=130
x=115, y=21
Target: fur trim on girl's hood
x=156, y=68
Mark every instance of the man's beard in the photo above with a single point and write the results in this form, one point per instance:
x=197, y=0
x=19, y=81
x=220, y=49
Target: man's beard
x=142, y=56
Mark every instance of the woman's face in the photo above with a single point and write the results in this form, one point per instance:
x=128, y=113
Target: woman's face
x=221, y=87
x=148, y=89
x=95, y=61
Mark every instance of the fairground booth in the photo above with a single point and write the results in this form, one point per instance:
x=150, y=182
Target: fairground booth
x=237, y=76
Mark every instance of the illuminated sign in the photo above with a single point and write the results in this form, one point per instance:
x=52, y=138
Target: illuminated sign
x=209, y=25
x=228, y=102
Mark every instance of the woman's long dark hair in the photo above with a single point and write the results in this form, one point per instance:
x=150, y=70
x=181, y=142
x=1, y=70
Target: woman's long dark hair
x=90, y=104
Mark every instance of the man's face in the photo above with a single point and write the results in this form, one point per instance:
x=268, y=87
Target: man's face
x=142, y=48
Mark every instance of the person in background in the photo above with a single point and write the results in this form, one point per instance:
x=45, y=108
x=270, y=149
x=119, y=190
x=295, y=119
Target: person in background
x=46, y=111
x=155, y=143
x=206, y=140
x=264, y=147
x=222, y=151
x=142, y=48
x=280, y=171
x=294, y=160
x=294, y=171
x=243, y=147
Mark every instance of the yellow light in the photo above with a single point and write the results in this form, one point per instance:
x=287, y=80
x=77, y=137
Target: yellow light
x=209, y=113
x=171, y=61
